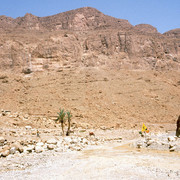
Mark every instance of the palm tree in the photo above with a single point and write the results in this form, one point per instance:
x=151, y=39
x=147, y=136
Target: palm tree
x=69, y=115
x=61, y=119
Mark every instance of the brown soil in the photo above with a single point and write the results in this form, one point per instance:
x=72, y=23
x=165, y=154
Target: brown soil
x=97, y=97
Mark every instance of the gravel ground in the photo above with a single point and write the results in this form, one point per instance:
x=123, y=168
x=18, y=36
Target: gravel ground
x=108, y=161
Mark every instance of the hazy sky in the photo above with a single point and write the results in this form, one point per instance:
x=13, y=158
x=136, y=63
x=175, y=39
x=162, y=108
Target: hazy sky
x=163, y=14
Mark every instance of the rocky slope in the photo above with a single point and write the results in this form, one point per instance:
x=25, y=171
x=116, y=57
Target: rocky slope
x=84, y=37
x=80, y=19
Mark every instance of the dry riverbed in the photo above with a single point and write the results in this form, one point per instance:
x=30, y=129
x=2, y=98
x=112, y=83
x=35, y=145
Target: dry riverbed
x=121, y=158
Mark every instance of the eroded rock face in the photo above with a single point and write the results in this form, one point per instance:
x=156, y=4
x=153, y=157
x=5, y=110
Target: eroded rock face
x=84, y=37
x=79, y=19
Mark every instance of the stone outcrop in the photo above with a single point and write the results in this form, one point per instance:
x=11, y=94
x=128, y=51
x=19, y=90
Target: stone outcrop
x=80, y=19
x=169, y=143
x=84, y=37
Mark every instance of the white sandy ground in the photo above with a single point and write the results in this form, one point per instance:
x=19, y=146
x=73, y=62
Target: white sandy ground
x=109, y=161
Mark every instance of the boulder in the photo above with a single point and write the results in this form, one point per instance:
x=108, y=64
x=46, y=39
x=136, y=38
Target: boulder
x=6, y=147
x=171, y=139
x=171, y=145
x=77, y=148
x=59, y=149
x=85, y=141
x=5, y=153
x=172, y=148
x=39, y=149
x=74, y=147
x=140, y=144
x=30, y=148
x=18, y=146
x=12, y=150
x=2, y=141
x=28, y=127
x=40, y=144
x=150, y=142
x=91, y=134
x=51, y=146
x=52, y=141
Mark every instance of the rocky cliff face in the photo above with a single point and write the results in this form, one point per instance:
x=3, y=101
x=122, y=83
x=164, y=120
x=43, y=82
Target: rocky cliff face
x=84, y=37
x=77, y=20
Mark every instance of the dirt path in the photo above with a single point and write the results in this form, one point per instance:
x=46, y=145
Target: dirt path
x=109, y=161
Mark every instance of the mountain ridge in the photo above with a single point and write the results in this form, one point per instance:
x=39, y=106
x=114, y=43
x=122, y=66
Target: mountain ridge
x=84, y=37
x=86, y=18
x=5, y=20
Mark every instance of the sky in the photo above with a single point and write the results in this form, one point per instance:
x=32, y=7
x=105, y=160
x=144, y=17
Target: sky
x=162, y=14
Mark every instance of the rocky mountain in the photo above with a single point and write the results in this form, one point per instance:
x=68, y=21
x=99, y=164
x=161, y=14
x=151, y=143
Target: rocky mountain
x=84, y=37
x=173, y=33
x=80, y=19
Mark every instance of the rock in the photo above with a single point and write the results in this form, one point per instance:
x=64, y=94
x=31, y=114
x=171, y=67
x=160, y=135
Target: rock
x=26, y=116
x=139, y=144
x=52, y=141
x=30, y=148
x=65, y=147
x=51, y=146
x=103, y=127
x=34, y=132
x=149, y=142
x=40, y=144
x=59, y=149
x=173, y=148
x=2, y=141
x=85, y=141
x=6, y=112
x=12, y=150
x=68, y=140
x=39, y=149
x=28, y=127
x=18, y=146
x=59, y=143
x=116, y=47
x=75, y=148
x=82, y=130
x=171, y=139
x=93, y=143
x=80, y=139
x=91, y=134
x=74, y=141
x=6, y=147
x=120, y=138
x=119, y=141
x=5, y=153
x=172, y=145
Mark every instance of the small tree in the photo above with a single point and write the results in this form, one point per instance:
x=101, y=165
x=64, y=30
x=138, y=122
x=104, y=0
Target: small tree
x=61, y=119
x=69, y=115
